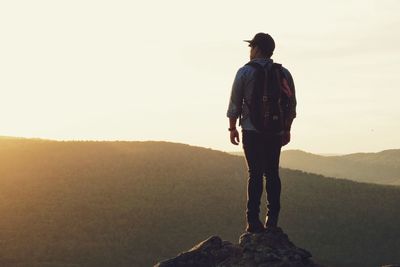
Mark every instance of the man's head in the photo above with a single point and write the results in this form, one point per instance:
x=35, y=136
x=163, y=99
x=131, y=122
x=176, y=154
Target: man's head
x=262, y=45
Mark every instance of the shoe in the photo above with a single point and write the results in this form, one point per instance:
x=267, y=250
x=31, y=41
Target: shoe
x=271, y=221
x=255, y=227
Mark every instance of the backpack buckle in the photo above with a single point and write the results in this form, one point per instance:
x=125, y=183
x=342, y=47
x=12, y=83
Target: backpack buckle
x=265, y=98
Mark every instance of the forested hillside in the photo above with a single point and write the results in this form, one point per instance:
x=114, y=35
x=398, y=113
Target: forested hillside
x=136, y=203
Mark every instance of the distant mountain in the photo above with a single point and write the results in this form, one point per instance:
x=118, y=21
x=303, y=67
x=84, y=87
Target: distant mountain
x=236, y=153
x=93, y=203
x=381, y=168
x=5, y=137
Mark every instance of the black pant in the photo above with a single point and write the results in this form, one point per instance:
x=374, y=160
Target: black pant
x=262, y=155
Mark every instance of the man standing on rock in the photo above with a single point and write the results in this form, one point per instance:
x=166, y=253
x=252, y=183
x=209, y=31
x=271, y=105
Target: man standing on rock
x=263, y=99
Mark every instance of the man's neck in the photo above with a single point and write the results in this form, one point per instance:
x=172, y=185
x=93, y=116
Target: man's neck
x=261, y=58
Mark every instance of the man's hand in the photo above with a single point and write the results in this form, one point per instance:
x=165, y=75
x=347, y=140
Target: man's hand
x=235, y=137
x=285, y=138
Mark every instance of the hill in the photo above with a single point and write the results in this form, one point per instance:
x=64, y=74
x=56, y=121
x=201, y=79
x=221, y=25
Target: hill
x=137, y=203
x=381, y=168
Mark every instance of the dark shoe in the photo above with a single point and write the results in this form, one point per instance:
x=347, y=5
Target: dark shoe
x=271, y=221
x=255, y=227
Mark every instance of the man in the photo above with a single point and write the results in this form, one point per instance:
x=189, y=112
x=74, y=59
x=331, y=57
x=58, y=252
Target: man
x=262, y=150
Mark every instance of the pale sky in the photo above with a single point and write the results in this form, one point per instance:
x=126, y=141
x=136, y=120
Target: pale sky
x=163, y=70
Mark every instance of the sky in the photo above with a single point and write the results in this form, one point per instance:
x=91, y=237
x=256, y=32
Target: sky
x=163, y=70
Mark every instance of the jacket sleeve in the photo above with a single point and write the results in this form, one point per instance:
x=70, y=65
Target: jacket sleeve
x=292, y=102
x=236, y=98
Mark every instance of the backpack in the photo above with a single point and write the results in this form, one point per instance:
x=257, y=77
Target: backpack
x=268, y=104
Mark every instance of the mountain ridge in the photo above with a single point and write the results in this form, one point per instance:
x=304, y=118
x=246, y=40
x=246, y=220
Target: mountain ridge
x=376, y=167
x=381, y=167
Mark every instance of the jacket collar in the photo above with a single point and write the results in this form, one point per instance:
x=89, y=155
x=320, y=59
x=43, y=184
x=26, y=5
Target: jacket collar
x=262, y=61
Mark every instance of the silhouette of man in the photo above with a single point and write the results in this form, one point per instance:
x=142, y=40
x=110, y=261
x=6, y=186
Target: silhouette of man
x=262, y=151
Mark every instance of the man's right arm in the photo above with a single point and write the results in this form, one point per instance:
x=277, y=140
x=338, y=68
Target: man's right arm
x=236, y=98
x=235, y=105
x=292, y=102
x=291, y=112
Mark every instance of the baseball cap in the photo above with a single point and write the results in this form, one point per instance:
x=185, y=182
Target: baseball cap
x=264, y=41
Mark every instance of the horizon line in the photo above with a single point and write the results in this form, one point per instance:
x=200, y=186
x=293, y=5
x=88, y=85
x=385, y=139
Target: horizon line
x=326, y=154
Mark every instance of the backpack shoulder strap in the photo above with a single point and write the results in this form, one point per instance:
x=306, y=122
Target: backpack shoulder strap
x=276, y=71
x=277, y=66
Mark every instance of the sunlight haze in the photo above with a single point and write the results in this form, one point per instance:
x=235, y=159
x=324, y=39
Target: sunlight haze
x=163, y=70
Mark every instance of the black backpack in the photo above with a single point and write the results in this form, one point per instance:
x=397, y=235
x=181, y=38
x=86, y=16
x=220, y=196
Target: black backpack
x=268, y=104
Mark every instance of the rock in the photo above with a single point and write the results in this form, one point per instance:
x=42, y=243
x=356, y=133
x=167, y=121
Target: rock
x=271, y=248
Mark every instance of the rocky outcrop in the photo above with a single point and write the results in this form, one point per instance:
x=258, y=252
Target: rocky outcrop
x=271, y=248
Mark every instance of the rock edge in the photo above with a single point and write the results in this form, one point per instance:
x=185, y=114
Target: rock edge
x=271, y=248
